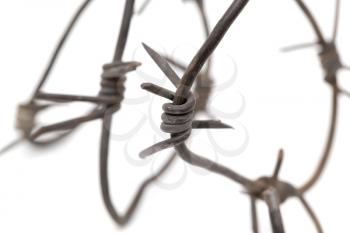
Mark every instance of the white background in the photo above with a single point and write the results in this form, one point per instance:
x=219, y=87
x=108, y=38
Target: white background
x=287, y=105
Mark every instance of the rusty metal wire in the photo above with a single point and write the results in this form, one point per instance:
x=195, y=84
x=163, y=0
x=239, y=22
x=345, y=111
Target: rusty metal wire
x=27, y=113
x=178, y=120
x=331, y=64
x=107, y=103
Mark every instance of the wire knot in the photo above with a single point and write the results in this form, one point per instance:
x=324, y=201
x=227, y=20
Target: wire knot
x=26, y=118
x=26, y=115
x=261, y=185
x=113, y=79
x=178, y=119
x=330, y=60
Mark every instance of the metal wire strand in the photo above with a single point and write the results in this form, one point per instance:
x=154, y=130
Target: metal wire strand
x=26, y=123
x=112, y=85
x=183, y=90
x=336, y=20
x=269, y=189
x=311, y=213
x=330, y=61
x=271, y=198
x=321, y=39
x=120, y=219
x=108, y=102
x=329, y=55
x=26, y=120
x=331, y=64
x=254, y=215
x=329, y=144
x=112, y=89
x=313, y=22
x=177, y=119
x=274, y=193
x=82, y=8
x=180, y=131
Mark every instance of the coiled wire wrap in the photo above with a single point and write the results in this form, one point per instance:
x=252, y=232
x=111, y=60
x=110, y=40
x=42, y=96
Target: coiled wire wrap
x=113, y=80
x=26, y=123
x=112, y=83
x=109, y=101
x=26, y=113
x=25, y=120
x=178, y=119
x=268, y=190
x=330, y=60
x=111, y=94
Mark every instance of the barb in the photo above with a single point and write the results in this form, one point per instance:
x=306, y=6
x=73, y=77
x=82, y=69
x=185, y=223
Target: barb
x=27, y=112
x=113, y=85
x=175, y=63
x=329, y=55
x=298, y=47
x=188, y=79
x=179, y=116
x=183, y=102
x=178, y=119
x=11, y=145
x=282, y=191
x=143, y=7
x=274, y=193
x=163, y=65
x=278, y=164
x=107, y=103
x=331, y=65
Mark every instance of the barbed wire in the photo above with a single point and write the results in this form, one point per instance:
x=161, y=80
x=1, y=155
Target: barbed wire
x=193, y=90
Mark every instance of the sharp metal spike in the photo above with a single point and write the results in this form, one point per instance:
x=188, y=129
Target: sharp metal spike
x=293, y=48
x=11, y=145
x=157, y=90
x=163, y=65
x=210, y=124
